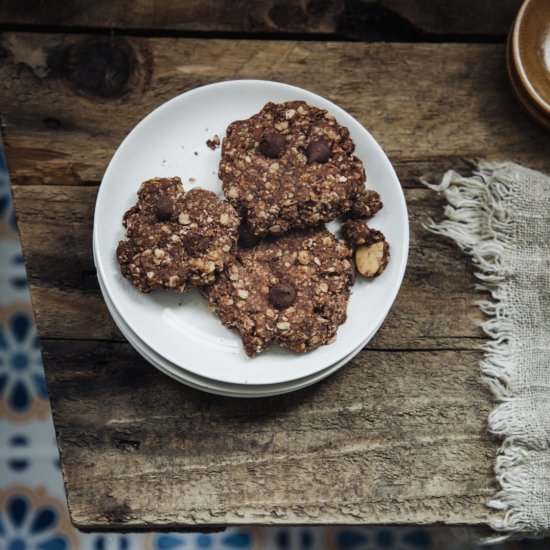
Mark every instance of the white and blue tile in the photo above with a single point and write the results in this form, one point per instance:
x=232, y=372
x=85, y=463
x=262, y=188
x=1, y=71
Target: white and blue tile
x=33, y=511
x=8, y=223
x=13, y=281
x=23, y=393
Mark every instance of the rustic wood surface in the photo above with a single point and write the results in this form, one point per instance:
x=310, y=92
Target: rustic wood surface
x=359, y=19
x=397, y=436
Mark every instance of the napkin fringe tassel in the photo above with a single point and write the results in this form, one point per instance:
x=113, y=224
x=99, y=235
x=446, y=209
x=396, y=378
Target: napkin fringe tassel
x=477, y=222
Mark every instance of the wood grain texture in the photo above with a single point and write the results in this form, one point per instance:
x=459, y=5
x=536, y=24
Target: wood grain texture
x=394, y=437
x=429, y=106
x=399, y=435
x=364, y=19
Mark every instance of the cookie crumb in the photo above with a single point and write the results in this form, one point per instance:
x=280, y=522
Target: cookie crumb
x=213, y=143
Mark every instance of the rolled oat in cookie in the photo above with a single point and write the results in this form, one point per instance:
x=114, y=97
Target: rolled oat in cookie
x=292, y=290
x=290, y=166
x=176, y=240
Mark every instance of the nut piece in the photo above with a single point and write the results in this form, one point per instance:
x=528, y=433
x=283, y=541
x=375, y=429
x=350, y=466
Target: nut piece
x=184, y=218
x=242, y=293
x=365, y=204
x=213, y=143
x=371, y=260
x=356, y=233
x=303, y=257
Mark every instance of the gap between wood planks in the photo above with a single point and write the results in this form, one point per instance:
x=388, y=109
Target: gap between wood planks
x=416, y=36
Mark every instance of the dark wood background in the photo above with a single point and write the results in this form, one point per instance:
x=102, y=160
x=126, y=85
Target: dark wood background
x=371, y=20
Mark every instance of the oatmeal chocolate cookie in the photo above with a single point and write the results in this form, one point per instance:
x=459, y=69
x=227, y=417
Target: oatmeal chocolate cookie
x=292, y=290
x=290, y=165
x=176, y=240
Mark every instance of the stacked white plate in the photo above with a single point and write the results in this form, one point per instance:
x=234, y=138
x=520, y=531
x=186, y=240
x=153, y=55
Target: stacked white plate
x=177, y=333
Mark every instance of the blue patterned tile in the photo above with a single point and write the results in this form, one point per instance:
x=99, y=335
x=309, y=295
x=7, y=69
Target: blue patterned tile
x=23, y=391
x=380, y=538
x=115, y=541
x=13, y=279
x=8, y=223
x=19, y=463
x=32, y=519
x=231, y=539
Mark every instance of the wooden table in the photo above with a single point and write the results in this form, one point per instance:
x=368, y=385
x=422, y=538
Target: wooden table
x=397, y=436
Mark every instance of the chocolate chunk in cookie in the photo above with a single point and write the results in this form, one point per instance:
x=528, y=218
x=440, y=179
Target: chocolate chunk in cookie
x=272, y=145
x=247, y=237
x=282, y=295
x=292, y=290
x=164, y=209
x=290, y=166
x=176, y=240
x=317, y=151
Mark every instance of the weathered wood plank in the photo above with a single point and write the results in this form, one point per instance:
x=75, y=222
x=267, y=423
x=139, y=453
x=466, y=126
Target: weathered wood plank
x=362, y=19
x=392, y=437
x=56, y=227
x=431, y=105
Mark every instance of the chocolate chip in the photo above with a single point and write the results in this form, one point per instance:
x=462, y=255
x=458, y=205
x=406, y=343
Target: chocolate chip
x=272, y=145
x=247, y=238
x=194, y=243
x=282, y=295
x=317, y=151
x=165, y=209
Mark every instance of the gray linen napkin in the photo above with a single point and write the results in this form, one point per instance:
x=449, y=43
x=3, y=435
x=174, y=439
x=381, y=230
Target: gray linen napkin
x=500, y=216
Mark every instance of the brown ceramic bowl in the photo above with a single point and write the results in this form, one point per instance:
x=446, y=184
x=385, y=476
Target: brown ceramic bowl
x=525, y=100
x=531, y=51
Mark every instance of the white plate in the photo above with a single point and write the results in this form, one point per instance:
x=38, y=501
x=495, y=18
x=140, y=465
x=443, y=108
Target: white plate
x=219, y=388
x=179, y=328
